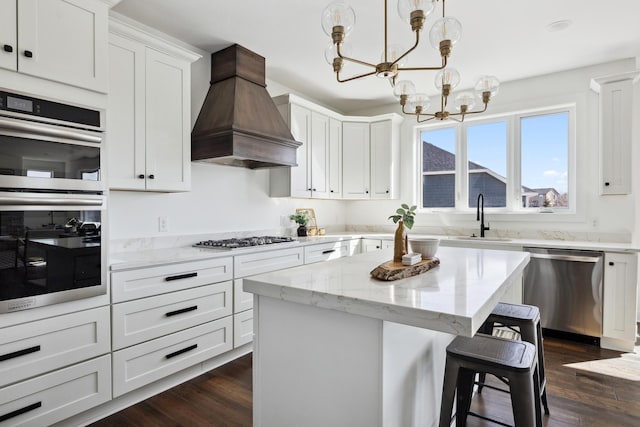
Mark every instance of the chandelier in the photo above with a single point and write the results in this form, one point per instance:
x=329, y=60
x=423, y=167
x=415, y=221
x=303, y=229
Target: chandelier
x=416, y=104
x=338, y=19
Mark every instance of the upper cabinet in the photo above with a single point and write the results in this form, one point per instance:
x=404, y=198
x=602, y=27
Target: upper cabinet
x=616, y=113
x=60, y=40
x=341, y=157
x=149, y=118
x=318, y=158
x=370, y=156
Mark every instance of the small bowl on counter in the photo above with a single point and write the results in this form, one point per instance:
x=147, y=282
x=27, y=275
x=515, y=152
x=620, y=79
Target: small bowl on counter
x=426, y=246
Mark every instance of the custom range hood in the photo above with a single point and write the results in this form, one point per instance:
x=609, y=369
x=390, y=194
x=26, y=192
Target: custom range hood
x=239, y=125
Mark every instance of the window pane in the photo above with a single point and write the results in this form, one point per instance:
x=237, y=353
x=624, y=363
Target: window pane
x=438, y=168
x=545, y=160
x=487, y=155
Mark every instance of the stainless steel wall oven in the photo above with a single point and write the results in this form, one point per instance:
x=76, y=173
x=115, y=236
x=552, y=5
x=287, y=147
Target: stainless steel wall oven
x=52, y=202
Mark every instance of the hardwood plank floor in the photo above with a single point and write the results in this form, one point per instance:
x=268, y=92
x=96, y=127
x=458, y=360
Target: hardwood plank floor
x=577, y=397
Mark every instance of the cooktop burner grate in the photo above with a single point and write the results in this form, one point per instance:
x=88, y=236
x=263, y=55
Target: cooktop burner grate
x=245, y=242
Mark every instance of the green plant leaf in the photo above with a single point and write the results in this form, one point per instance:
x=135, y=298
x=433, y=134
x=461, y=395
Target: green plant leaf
x=414, y=207
x=408, y=223
x=405, y=206
x=400, y=211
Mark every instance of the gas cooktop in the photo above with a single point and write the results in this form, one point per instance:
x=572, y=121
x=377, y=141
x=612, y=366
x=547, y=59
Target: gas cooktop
x=244, y=242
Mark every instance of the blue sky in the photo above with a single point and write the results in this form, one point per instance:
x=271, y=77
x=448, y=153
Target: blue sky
x=544, y=148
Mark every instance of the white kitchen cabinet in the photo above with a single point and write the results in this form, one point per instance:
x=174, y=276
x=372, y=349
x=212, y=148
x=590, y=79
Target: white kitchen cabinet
x=53, y=397
x=314, y=129
x=60, y=40
x=370, y=245
x=149, y=318
x=330, y=250
x=335, y=159
x=33, y=348
x=616, y=122
x=141, y=364
x=370, y=157
x=355, y=160
x=148, y=116
x=619, y=299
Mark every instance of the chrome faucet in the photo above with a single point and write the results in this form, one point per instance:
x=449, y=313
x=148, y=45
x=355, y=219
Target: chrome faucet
x=480, y=215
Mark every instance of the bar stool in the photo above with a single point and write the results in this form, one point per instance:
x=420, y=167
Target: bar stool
x=527, y=319
x=513, y=360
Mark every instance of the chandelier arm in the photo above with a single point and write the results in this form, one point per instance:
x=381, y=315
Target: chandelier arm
x=475, y=112
x=354, y=77
x=408, y=51
x=431, y=117
x=385, y=32
x=357, y=61
x=444, y=64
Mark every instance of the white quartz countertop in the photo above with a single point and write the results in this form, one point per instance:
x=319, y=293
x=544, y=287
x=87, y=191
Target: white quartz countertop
x=455, y=297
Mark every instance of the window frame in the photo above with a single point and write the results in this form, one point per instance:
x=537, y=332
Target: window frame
x=514, y=153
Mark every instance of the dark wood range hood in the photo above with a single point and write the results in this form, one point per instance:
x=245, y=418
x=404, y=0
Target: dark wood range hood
x=239, y=125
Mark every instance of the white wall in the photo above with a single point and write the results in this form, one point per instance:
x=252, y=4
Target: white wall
x=228, y=199
x=222, y=198
x=609, y=218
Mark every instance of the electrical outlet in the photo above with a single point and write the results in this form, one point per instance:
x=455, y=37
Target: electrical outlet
x=163, y=224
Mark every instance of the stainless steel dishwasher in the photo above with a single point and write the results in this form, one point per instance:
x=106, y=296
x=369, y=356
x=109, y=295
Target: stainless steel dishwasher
x=566, y=285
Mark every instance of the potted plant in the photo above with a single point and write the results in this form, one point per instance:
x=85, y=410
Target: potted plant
x=302, y=220
x=404, y=217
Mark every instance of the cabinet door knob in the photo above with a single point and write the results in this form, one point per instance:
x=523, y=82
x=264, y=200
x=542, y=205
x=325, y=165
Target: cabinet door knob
x=314, y=189
x=308, y=189
x=606, y=184
x=366, y=191
x=28, y=54
x=8, y=48
x=387, y=191
x=141, y=176
x=611, y=263
x=330, y=191
x=152, y=176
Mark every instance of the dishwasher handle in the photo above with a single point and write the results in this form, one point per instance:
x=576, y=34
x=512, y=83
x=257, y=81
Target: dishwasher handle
x=575, y=258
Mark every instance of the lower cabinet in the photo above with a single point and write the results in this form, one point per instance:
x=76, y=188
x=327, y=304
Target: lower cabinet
x=58, y=395
x=619, y=297
x=370, y=245
x=144, y=363
x=331, y=250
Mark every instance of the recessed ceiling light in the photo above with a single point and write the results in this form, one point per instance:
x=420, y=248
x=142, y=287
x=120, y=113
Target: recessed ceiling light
x=559, y=25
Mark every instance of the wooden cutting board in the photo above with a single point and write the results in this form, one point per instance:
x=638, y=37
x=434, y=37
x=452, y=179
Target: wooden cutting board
x=396, y=270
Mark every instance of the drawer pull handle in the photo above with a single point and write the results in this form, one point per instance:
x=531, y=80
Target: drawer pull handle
x=180, y=276
x=182, y=310
x=20, y=411
x=179, y=352
x=19, y=353
x=328, y=251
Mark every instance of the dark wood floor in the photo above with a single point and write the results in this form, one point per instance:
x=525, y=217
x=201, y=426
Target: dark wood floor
x=222, y=397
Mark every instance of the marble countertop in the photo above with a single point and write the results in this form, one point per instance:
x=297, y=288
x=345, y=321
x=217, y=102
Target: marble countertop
x=455, y=297
x=150, y=257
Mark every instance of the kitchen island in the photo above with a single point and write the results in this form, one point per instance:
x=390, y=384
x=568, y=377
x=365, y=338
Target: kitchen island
x=334, y=346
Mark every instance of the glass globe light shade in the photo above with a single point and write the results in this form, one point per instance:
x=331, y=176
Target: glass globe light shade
x=404, y=87
x=419, y=100
x=446, y=28
x=338, y=13
x=465, y=98
x=331, y=51
x=447, y=76
x=405, y=7
x=487, y=84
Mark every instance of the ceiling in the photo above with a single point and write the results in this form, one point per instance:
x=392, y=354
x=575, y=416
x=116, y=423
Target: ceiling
x=506, y=38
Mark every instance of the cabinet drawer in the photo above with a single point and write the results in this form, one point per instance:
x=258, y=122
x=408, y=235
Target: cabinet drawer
x=149, y=318
x=264, y=262
x=329, y=251
x=145, y=282
x=53, y=397
x=30, y=349
x=144, y=363
x=242, y=328
x=242, y=300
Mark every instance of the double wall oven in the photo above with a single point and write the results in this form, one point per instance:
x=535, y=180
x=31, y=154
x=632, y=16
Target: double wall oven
x=52, y=202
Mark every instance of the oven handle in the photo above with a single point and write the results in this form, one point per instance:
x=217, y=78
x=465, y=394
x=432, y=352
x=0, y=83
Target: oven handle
x=46, y=130
x=49, y=201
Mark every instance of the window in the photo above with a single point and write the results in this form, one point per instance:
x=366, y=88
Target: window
x=544, y=166
x=518, y=162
